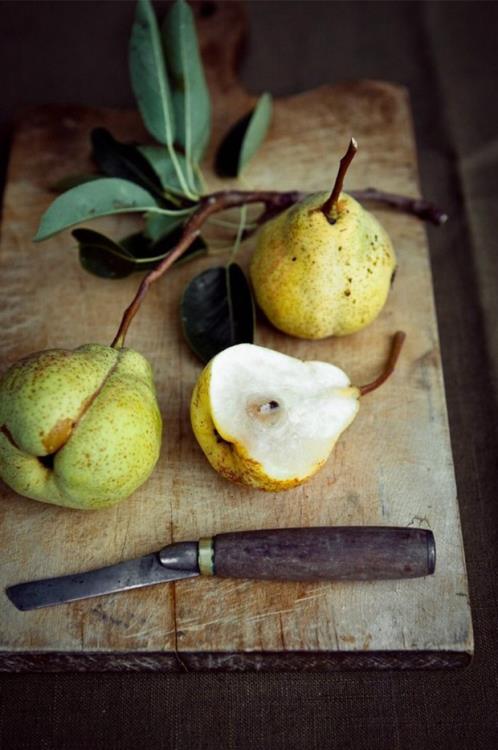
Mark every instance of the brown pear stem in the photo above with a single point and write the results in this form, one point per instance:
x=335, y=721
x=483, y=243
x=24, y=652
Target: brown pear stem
x=396, y=346
x=275, y=202
x=331, y=202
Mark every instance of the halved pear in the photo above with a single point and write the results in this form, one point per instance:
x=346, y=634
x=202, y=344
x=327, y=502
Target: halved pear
x=270, y=421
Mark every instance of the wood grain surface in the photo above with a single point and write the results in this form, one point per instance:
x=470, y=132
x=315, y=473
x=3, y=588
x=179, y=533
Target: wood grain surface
x=393, y=466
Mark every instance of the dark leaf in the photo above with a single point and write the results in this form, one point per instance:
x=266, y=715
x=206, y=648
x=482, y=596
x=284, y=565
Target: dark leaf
x=102, y=256
x=116, y=159
x=217, y=311
x=148, y=254
x=71, y=181
x=114, y=260
x=243, y=139
x=138, y=245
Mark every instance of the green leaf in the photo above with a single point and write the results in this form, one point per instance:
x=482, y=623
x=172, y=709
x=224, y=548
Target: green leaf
x=102, y=256
x=257, y=130
x=150, y=82
x=148, y=75
x=123, y=160
x=243, y=139
x=217, y=311
x=102, y=197
x=159, y=225
x=160, y=161
x=191, y=102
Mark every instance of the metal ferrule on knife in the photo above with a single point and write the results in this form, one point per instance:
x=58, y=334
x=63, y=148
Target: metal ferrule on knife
x=342, y=553
x=205, y=556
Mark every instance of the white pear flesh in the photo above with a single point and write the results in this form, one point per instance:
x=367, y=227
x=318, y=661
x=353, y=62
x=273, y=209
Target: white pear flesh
x=269, y=420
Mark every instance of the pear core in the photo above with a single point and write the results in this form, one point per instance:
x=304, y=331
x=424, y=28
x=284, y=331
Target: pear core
x=316, y=276
x=268, y=420
x=81, y=428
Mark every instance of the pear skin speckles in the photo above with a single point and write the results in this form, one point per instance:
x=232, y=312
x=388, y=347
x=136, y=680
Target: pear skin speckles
x=313, y=279
x=102, y=450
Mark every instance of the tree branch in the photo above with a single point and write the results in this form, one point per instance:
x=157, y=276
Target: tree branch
x=274, y=203
x=208, y=205
x=418, y=207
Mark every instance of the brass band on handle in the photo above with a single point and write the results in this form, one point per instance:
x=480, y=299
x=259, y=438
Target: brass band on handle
x=205, y=556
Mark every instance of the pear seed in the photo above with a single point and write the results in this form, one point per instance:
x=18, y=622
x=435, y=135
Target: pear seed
x=269, y=406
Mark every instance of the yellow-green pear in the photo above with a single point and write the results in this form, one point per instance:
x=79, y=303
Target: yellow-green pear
x=79, y=428
x=270, y=421
x=323, y=267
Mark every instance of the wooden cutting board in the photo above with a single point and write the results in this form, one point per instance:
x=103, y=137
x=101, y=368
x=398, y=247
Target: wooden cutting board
x=393, y=466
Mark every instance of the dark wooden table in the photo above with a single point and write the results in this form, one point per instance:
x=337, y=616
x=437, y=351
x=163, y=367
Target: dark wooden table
x=445, y=54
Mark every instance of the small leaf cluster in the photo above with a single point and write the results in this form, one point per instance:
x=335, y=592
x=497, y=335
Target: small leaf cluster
x=163, y=182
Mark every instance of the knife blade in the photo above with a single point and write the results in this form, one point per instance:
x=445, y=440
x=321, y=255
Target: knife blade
x=354, y=553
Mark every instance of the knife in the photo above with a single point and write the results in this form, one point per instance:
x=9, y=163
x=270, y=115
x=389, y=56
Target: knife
x=322, y=553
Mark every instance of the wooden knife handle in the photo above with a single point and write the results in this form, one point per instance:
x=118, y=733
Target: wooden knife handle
x=322, y=553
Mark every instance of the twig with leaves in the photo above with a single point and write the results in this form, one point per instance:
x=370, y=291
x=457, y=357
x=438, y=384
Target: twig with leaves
x=164, y=184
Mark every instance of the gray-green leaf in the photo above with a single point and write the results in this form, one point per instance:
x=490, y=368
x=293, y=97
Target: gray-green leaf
x=257, y=130
x=158, y=225
x=148, y=75
x=191, y=100
x=102, y=197
x=243, y=139
x=160, y=160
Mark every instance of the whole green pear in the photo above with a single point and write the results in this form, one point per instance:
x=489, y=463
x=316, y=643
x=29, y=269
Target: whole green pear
x=323, y=267
x=81, y=428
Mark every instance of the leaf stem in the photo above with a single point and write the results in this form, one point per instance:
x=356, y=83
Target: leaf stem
x=396, y=346
x=240, y=232
x=170, y=212
x=181, y=178
x=200, y=177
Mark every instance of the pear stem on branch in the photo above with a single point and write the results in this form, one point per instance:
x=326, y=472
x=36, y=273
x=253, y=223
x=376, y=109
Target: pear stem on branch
x=274, y=203
x=330, y=204
x=396, y=346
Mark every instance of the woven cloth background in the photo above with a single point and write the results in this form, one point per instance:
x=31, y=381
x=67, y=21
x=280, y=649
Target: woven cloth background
x=445, y=53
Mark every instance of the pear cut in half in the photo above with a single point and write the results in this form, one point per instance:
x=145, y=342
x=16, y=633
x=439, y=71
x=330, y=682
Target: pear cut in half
x=270, y=421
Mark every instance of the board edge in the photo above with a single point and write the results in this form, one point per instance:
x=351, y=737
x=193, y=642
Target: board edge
x=221, y=661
